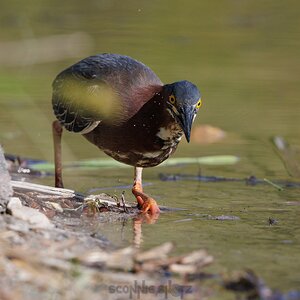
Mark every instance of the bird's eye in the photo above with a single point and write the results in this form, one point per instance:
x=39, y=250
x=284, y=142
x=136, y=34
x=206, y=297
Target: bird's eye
x=172, y=99
x=199, y=104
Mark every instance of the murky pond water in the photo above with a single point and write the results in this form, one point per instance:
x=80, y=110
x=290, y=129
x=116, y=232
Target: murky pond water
x=245, y=58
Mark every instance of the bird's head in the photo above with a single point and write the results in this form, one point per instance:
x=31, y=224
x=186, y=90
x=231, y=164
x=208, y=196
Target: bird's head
x=183, y=102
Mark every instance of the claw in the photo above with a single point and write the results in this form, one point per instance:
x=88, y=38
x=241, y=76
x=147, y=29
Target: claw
x=145, y=203
x=150, y=206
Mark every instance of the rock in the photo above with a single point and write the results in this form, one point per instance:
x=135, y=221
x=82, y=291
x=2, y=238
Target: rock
x=118, y=260
x=5, y=187
x=14, y=203
x=159, y=252
x=35, y=218
x=183, y=269
x=55, y=206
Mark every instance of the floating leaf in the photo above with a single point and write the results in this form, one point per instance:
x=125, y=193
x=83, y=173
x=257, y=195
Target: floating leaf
x=110, y=163
x=204, y=160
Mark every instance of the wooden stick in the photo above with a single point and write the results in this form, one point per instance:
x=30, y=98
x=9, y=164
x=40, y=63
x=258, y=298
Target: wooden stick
x=43, y=189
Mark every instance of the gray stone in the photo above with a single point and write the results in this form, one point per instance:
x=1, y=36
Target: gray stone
x=5, y=186
x=35, y=218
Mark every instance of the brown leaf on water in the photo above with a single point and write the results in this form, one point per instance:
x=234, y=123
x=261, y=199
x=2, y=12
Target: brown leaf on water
x=207, y=134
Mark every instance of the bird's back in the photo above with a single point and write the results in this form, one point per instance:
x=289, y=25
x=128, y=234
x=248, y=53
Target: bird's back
x=107, y=87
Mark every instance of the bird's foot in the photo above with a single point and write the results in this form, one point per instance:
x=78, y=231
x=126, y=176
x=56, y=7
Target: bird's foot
x=150, y=206
x=145, y=203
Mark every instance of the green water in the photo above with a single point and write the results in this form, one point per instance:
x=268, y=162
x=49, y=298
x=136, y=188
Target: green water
x=245, y=58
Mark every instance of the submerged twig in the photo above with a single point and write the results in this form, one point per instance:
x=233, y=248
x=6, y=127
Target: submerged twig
x=279, y=188
x=123, y=202
x=251, y=180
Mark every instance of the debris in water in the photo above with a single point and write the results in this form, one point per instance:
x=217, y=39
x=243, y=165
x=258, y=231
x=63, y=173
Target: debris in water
x=272, y=221
x=251, y=180
x=279, y=188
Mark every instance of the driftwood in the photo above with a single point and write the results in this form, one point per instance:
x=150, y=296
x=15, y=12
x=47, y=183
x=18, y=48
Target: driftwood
x=51, y=200
x=44, y=189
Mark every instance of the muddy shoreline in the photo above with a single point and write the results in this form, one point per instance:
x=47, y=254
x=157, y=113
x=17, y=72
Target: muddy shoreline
x=44, y=254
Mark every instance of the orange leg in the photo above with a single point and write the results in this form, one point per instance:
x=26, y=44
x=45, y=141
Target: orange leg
x=57, y=132
x=145, y=203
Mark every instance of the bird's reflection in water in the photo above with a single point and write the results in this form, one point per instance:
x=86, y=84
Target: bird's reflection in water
x=138, y=222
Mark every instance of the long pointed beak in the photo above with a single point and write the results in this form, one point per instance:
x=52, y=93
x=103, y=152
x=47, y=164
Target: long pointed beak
x=186, y=118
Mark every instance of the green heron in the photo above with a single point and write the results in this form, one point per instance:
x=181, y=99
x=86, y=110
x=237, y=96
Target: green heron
x=121, y=106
